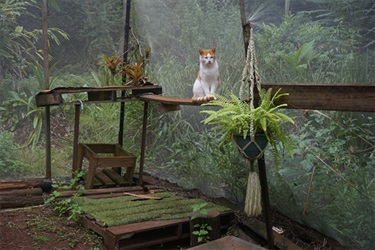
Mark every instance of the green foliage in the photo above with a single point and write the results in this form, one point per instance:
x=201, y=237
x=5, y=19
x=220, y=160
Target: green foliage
x=96, y=18
x=201, y=229
x=303, y=50
x=235, y=117
x=67, y=206
x=11, y=166
x=336, y=150
x=15, y=41
x=199, y=208
x=17, y=44
x=299, y=61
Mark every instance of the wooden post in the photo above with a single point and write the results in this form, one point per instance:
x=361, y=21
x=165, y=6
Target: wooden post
x=126, y=6
x=143, y=143
x=246, y=29
x=77, y=113
x=245, y=26
x=47, y=116
x=265, y=200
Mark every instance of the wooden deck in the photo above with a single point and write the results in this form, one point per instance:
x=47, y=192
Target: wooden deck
x=143, y=235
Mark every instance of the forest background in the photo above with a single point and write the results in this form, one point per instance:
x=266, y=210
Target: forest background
x=329, y=184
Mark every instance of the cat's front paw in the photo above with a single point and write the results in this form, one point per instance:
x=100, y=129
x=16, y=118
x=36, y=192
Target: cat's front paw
x=210, y=97
x=203, y=99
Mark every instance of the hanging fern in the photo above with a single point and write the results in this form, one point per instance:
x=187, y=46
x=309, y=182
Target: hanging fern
x=234, y=117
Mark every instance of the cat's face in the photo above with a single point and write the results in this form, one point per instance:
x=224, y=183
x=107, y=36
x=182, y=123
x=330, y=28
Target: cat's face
x=207, y=56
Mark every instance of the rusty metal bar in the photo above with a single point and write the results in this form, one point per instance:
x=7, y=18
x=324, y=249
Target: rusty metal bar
x=143, y=143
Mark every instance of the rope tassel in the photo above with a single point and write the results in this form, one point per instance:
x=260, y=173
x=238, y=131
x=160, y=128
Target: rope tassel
x=253, y=205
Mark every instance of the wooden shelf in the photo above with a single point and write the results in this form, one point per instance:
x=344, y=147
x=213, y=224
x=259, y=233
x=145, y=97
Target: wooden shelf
x=94, y=95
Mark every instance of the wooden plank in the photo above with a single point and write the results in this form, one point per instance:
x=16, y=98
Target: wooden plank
x=20, y=201
x=89, y=192
x=144, y=226
x=228, y=242
x=142, y=196
x=45, y=184
x=339, y=97
x=72, y=90
x=146, y=244
x=118, y=179
x=102, y=177
x=163, y=107
x=101, y=196
x=22, y=192
x=54, y=96
x=280, y=241
x=169, y=100
x=97, y=183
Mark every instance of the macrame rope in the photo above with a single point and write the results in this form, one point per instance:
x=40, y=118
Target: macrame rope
x=250, y=77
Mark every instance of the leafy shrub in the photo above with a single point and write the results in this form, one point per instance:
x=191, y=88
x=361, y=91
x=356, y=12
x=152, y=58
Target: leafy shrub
x=11, y=167
x=335, y=154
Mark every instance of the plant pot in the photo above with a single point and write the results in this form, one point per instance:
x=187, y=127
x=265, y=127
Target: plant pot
x=251, y=150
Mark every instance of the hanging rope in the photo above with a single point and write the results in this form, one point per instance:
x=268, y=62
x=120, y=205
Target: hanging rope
x=250, y=78
x=252, y=149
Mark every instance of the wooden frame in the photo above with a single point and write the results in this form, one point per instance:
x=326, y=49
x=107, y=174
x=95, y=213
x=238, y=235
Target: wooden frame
x=118, y=158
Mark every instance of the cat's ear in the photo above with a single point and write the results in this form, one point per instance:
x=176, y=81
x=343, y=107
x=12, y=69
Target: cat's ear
x=200, y=51
x=213, y=50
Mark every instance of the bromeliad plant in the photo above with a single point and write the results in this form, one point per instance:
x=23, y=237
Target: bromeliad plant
x=135, y=72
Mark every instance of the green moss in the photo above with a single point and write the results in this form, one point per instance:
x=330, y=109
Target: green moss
x=128, y=209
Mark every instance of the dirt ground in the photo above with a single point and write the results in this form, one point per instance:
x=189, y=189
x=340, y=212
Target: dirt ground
x=40, y=227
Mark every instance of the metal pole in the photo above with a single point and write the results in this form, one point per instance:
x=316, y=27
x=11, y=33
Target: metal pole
x=127, y=5
x=143, y=143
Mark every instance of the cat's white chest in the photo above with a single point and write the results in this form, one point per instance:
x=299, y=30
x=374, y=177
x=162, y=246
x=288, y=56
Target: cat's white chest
x=209, y=74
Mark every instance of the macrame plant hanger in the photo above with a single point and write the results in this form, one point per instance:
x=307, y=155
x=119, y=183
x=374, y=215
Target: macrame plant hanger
x=250, y=78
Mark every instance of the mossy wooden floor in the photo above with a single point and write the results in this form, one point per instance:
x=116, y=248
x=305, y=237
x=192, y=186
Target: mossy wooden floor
x=130, y=222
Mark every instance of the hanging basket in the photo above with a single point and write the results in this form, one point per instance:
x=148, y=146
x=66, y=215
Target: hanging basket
x=249, y=149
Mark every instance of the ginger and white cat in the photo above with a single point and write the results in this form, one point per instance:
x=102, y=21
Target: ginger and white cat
x=208, y=81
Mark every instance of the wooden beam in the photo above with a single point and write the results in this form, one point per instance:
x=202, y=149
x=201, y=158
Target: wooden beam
x=339, y=97
x=170, y=100
x=54, y=96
